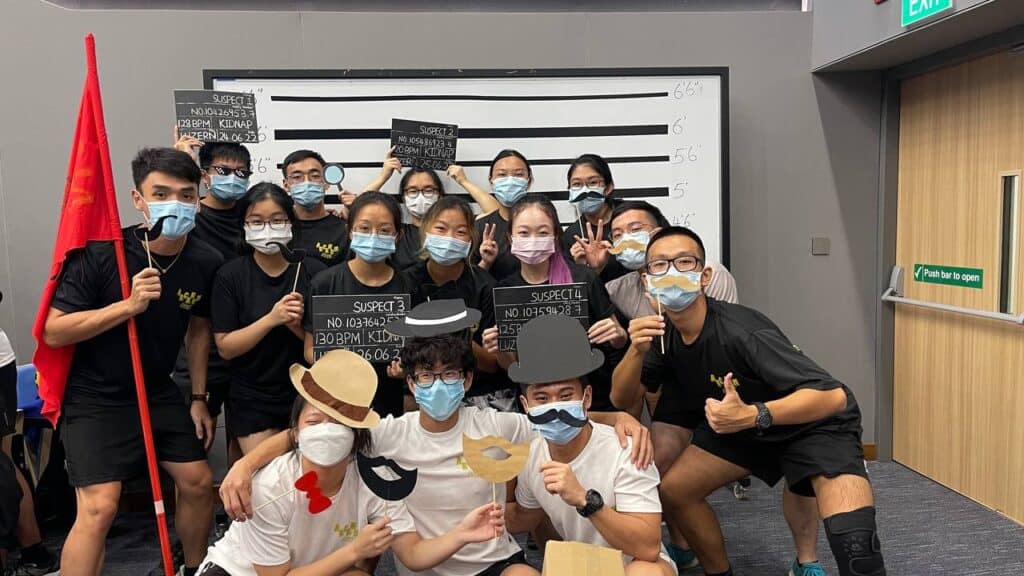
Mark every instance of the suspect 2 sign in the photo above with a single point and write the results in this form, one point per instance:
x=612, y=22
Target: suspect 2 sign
x=213, y=116
x=357, y=323
x=516, y=306
x=424, y=144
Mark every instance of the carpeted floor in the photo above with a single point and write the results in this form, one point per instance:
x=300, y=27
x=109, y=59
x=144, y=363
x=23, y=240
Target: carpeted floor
x=926, y=530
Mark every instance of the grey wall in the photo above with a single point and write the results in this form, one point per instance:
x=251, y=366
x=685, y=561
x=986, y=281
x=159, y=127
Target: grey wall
x=804, y=151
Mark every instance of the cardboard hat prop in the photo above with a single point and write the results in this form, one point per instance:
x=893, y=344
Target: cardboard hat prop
x=340, y=384
x=553, y=349
x=435, y=318
x=494, y=470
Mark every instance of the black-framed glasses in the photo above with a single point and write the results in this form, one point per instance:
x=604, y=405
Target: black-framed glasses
x=428, y=192
x=240, y=172
x=314, y=176
x=681, y=264
x=426, y=379
x=591, y=183
x=259, y=225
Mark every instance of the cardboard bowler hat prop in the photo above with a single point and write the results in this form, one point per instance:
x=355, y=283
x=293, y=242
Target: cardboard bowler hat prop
x=553, y=349
x=435, y=318
x=340, y=384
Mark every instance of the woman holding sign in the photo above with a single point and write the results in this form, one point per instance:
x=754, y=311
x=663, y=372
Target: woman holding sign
x=374, y=228
x=257, y=307
x=535, y=238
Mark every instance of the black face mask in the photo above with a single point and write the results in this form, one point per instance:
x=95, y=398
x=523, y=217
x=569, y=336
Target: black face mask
x=390, y=490
x=557, y=414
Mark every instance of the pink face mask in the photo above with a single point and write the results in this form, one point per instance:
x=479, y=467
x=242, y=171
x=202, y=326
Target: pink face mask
x=533, y=250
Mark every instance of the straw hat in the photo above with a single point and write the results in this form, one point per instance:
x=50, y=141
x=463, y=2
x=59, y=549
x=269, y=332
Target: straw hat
x=340, y=384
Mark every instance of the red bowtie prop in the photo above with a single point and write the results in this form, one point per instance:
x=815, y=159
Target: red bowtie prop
x=317, y=501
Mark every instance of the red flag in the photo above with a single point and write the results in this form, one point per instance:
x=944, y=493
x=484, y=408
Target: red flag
x=89, y=212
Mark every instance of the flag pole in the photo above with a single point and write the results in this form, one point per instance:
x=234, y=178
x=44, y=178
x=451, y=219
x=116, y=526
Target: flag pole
x=133, y=335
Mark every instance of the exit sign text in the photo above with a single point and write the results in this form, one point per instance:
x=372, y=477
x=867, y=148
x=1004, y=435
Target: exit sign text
x=917, y=10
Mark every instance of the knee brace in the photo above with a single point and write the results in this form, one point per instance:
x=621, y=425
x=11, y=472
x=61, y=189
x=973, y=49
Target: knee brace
x=854, y=541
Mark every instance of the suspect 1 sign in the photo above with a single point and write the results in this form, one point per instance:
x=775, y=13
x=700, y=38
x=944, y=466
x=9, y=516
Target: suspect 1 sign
x=357, y=323
x=516, y=306
x=424, y=144
x=217, y=116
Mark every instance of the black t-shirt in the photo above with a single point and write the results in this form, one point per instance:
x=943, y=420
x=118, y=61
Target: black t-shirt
x=765, y=365
x=505, y=264
x=101, y=371
x=612, y=269
x=325, y=239
x=407, y=249
x=340, y=281
x=601, y=307
x=221, y=229
x=242, y=294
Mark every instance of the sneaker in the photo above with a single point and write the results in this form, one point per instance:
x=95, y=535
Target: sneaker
x=740, y=491
x=48, y=567
x=807, y=569
x=683, y=558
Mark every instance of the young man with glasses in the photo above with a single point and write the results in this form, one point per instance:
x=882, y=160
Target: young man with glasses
x=769, y=411
x=320, y=233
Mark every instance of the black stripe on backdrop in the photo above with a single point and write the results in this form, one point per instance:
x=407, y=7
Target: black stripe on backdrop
x=475, y=133
x=653, y=192
x=476, y=97
x=533, y=162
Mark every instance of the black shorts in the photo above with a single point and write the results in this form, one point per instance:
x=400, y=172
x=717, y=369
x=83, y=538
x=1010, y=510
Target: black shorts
x=104, y=443
x=242, y=417
x=8, y=398
x=814, y=452
x=10, y=500
x=498, y=567
x=677, y=415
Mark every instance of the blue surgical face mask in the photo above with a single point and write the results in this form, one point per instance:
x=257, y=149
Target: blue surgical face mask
x=588, y=205
x=183, y=221
x=509, y=190
x=228, y=188
x=309, y=195
x=633, y=258
x=440, y=400
x=676, y=298
x=446, y=250
x=371, y=247
x=556, y=431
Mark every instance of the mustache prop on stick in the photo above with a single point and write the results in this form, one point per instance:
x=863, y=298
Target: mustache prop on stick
x=152, y=233
x=494, y=470
x=668, y=281
x=295, y=257
x=557, y=414
x=626, y=245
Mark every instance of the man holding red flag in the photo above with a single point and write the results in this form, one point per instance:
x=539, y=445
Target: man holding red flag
x=170, y=287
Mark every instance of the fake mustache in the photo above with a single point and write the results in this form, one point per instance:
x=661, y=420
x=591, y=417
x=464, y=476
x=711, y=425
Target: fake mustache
x=293, y=256
x=585, y=195
x=496, y=470
x=391, y=490
x=626, y=245
x=557, y=414
x=667, y=281
x=154, y=231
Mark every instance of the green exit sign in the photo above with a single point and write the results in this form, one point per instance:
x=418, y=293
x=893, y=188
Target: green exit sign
x=949, y=275
x=915, y=11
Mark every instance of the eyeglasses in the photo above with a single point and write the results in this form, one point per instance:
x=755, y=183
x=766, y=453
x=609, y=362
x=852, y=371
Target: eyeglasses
x=578, y=185
x=259, y=225
x=426, y=379
x=314, y=176
x=681, y=264
x=240, y=172
x=633, y=229
x=427, y=193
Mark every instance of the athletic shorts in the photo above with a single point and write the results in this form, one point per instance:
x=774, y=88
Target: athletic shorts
x=104, y=443
x=10, y=500
x=8, y=398
x=500, y=566
x=243, y=418
x=814, y=452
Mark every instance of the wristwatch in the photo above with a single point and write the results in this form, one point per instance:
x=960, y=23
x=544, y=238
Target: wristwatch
x=594, y=503
x=205, y=397
x=764, y=418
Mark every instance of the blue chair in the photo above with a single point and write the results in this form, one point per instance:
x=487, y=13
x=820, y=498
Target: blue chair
x=37, y=434
x=29, y=401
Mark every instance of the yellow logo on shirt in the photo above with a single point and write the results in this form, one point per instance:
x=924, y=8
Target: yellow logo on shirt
x=462, y=462
x=347, y=532
x=720, y=381
x=188, y=299
x=327, y=251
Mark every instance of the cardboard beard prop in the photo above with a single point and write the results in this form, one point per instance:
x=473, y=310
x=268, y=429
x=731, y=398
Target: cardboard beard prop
x=294, y=257
x=389, y=490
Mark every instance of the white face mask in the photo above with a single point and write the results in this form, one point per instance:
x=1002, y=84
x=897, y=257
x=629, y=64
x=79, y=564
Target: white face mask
x=419, y=205
x=327, y=443
x=261, y=239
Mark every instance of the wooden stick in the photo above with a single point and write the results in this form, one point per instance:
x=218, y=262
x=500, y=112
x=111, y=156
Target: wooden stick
x=149, y=256
x=494, y=500
x=297, y=270
x=269, y=502
x=663, y=318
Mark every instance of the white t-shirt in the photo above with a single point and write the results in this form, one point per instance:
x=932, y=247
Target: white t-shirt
x=285, y=531
x=446, y=489
x=603, y=465
x=6, y=352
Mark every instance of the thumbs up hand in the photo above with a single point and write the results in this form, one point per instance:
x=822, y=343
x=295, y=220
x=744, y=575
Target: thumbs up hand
x=730, y=414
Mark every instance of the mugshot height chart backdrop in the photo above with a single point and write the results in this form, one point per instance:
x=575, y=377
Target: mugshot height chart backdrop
x=664, y=131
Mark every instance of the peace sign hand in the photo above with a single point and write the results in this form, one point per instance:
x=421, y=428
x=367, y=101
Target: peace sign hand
x=594, y=248
x=488, y=247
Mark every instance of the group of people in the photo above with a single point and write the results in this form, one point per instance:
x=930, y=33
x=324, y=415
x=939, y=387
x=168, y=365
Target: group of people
x=224, y=276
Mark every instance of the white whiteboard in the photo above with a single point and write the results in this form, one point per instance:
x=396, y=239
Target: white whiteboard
x=664, y=131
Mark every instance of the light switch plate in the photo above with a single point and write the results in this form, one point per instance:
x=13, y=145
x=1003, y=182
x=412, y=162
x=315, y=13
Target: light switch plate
x=821, y=245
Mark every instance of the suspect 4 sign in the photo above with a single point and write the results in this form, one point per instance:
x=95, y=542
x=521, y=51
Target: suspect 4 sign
x=949, y=275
